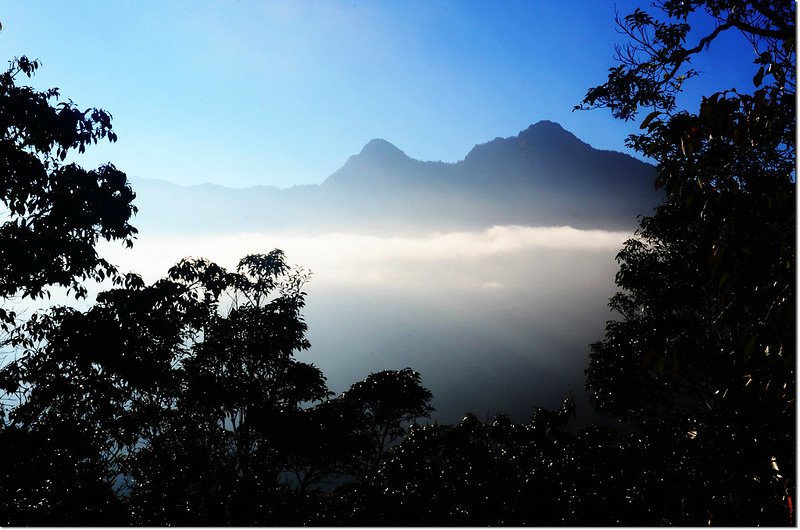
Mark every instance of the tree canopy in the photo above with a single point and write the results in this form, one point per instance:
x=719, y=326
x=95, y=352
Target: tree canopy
x=53, y=213
x=705, y=348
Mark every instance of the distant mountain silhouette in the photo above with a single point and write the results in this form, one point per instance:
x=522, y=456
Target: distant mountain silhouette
x=542, y=176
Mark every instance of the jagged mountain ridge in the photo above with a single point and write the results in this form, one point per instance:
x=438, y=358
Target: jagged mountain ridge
x=543, y=176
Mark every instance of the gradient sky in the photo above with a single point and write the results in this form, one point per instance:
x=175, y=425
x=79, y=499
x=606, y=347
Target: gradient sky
x=243, y=93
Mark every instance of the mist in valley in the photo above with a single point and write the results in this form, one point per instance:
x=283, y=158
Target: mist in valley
x=495, y=320
x=496, y=316
x=475, y=274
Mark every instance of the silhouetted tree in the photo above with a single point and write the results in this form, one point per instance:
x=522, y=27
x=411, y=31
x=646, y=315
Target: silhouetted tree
x=52, y=213
x=386, y=403
x=236, y=382
x=182, y=402
x=705, y=352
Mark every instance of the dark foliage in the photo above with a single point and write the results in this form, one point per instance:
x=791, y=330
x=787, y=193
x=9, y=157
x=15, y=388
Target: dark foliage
x=705, y=349
x=182, y=403
x=53, y=214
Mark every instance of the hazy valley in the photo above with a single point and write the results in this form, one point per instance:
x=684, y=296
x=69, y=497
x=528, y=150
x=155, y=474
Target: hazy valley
x=490, y=275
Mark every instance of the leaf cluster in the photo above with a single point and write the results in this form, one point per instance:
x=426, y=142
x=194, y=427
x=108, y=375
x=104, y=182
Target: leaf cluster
x=52, y=214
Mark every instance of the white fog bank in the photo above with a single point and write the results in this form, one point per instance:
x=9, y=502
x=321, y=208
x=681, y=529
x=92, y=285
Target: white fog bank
x=495, y=320
x=354, y=258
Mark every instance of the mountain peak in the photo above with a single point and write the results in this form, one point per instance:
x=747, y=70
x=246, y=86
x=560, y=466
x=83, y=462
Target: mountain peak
x=546, y=125
x=549, y=137
x=380, y=149
x=376, y=159
x=547, y=129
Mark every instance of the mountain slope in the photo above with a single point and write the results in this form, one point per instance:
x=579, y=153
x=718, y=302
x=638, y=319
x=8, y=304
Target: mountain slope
x=542, y=176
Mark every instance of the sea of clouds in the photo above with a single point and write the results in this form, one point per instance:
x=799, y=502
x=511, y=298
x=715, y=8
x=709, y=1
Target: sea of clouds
x=495, y=320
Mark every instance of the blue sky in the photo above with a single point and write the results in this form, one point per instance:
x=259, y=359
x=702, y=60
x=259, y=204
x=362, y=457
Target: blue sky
x=243, y=93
